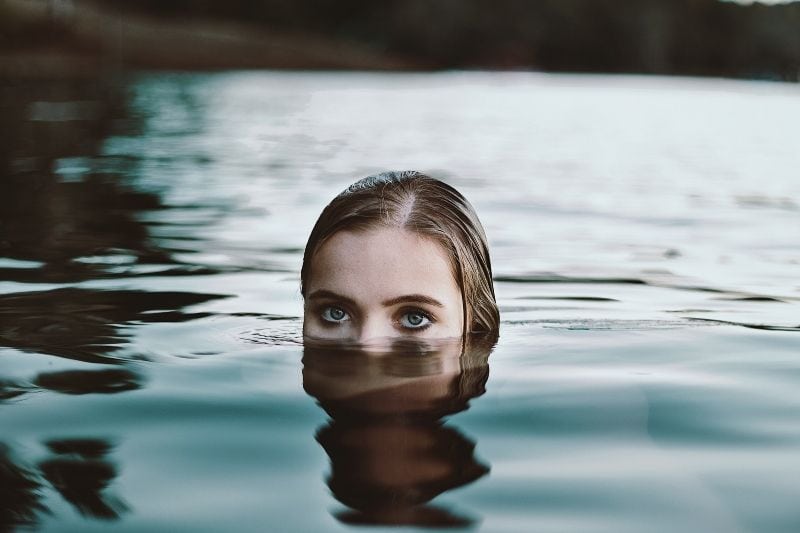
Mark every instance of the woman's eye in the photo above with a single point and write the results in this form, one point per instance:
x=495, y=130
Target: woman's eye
x=334, y=314
x=414, y=320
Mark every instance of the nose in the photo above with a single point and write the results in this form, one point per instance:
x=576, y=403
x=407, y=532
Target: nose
x=375, y=333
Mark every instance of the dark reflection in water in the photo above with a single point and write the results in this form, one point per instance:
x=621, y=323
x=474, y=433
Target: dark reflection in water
x=67, y=226
x=390, y=451
x=10, y=390
x=72, y=211
x=60, y=201
x=20, y=493
x=75, y=382
x=109, y=381
x=87, y=325
x=43, y=120
x=78, y=469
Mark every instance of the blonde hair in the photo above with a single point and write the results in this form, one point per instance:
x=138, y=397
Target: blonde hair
x=429, y=207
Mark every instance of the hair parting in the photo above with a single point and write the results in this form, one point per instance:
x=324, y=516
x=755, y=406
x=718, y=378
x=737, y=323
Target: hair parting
x=427, y=206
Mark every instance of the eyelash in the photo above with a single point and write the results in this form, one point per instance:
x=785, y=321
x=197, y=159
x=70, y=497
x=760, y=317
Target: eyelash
x=324, y=310
x=427, y=316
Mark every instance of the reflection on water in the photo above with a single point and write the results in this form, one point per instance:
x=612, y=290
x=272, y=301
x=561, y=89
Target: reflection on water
x=89, y=381
x=51, y=217
x=65, y=226
x=81, y=473
x=390, y=451
x=87, y=325
x=79, y=470
x=19, y=493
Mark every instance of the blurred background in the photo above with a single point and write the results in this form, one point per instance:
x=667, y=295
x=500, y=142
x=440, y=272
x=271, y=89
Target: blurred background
x=696, y=37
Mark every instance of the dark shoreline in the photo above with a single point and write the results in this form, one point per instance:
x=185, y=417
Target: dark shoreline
x=698, y=38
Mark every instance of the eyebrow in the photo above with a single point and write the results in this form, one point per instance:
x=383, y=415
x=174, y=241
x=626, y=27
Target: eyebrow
x=407, y=298
x=324, y=293
x=413, y=298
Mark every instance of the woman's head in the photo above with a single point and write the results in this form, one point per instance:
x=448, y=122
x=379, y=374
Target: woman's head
x=398, y=253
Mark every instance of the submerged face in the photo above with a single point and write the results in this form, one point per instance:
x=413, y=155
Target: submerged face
x=372, y=286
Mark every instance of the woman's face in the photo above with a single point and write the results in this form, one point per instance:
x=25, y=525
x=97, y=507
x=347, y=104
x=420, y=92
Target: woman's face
x=373, y=286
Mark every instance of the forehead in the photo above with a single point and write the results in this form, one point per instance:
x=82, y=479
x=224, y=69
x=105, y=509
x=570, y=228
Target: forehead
x=383, y=262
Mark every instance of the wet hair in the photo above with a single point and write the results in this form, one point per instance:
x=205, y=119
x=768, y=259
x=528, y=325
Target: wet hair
x=428, y=207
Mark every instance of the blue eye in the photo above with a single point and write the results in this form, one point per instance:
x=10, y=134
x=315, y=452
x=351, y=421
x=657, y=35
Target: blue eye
x=415, y=320
x=334, y=314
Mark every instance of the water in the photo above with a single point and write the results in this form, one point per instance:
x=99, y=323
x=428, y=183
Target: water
x=646, y=241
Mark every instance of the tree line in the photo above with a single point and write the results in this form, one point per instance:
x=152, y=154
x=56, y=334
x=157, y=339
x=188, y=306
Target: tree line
x=703, y=37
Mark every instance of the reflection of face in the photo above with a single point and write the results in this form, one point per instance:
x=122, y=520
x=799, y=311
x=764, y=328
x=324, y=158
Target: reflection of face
x=412, y=380
x=390, y=452
x=383, y=283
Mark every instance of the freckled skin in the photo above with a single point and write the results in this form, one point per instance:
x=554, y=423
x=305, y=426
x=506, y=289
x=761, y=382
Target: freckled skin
x=371, y=267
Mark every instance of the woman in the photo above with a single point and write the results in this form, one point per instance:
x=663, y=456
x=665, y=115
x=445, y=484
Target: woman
x=394, y=263
x=398, y=254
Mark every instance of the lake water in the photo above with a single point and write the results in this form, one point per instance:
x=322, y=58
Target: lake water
x=645, y=234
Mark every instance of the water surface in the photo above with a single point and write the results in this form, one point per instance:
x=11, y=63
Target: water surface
x=645, y=234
